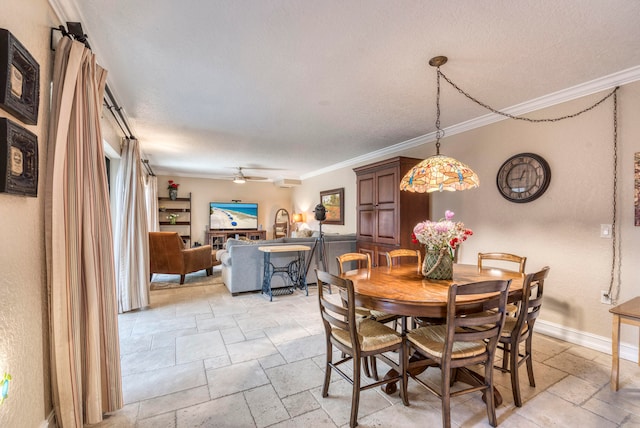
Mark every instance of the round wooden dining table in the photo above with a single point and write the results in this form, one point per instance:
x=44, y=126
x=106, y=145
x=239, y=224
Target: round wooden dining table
x=403, y=290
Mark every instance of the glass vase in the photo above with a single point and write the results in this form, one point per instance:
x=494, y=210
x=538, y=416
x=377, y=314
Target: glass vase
x=173, y=194
x=444, y=268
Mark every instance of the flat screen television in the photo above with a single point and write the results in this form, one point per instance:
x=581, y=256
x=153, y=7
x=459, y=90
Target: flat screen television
x=233, y=215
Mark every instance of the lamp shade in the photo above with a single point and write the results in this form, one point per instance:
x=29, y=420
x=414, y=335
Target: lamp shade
x=438, y=173
x=297, y=218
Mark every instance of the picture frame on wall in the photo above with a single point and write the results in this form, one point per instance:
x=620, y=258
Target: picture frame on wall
x=333, y=201
x=19, y=79
x=18, y=159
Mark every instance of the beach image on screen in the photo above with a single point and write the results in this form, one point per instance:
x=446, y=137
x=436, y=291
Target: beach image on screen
x=233, y=216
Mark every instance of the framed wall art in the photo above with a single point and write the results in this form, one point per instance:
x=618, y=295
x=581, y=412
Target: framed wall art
x=18, y=159
x=333, y=201
x=19, y=79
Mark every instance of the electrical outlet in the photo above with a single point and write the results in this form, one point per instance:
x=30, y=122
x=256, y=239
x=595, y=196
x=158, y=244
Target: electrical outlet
x=604, y=298
x=605, y=231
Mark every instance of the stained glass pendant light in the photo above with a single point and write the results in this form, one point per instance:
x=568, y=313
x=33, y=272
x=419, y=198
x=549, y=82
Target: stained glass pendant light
x=439, y=172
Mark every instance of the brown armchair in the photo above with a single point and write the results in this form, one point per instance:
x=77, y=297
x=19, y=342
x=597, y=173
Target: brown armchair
x=168, y=255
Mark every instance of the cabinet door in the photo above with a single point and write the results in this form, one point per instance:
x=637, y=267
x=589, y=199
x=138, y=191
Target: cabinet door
x=366, y=205
x=386, y=219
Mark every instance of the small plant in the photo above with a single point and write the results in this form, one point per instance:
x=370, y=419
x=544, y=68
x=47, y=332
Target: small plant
x=172, y=185
x=173, y=217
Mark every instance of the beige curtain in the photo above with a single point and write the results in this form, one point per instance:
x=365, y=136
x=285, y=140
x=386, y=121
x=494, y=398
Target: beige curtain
x=85, y=353
x=131, y=237
x=151, y=196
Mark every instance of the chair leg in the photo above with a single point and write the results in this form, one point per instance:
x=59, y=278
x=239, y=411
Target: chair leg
x=404, y=363
x=506, y=350
x=355, y=394
x=515, y=378
x=374, y=368
x=527, y=348
x=489, y=394
x=446, y=397
x=327, y=369
x=182, y=279
x=365, y=367
x=209, y=271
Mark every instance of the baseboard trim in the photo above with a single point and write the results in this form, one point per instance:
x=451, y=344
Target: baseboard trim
x=588, y=340
x=50, y=422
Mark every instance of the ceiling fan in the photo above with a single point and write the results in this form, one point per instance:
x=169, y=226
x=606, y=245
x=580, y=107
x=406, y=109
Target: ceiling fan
x=240, y=178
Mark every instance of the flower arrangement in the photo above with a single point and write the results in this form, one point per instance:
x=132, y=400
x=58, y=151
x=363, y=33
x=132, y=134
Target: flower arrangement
x=173, y=217
x=441, y=235
x=172, y=185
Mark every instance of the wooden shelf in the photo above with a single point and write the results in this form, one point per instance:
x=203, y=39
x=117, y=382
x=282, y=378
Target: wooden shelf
x=176, y=206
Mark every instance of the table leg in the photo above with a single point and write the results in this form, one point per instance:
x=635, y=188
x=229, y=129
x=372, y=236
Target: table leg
x=266, y=276
x=615, y=352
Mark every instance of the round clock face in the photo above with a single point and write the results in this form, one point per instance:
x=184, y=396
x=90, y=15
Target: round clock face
x=523, y=177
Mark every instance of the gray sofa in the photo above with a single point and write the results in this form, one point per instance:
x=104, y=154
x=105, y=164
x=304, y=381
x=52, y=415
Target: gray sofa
x=243, y=264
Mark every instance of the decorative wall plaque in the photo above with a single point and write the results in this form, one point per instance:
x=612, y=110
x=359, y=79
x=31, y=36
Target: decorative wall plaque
x=18, y=159
x=19, y=79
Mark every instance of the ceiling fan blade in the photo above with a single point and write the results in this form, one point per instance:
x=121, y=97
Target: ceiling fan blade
x=253, y=178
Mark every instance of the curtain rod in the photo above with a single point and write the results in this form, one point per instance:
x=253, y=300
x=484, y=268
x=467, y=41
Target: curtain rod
x=74, y=31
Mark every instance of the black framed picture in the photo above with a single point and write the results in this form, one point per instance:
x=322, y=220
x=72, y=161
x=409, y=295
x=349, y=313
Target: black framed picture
x=19, y=79
x=333, y=201
x=18, y=159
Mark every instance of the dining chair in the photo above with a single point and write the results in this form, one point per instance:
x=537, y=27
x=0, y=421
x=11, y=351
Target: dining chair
x=383, y=317
x=358, y=339
x=504, y=257
x=458, y=345
x=398, y=255
x=520, y=329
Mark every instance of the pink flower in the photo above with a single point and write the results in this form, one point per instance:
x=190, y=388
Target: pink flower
x=448, y=215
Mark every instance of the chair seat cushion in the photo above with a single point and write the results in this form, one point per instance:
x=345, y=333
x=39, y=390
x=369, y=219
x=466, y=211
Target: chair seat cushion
x=430, y=339
x=510, y=325
x=372, y=335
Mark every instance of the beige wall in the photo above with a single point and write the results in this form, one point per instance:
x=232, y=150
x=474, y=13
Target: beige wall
x=269, y=198
x=562, y=228
x=23, y=317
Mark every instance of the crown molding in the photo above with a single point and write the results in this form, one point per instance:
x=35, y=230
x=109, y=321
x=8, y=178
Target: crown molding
x=582, y=90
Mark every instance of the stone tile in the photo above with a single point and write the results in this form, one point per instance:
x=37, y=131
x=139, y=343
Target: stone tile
x=172, y=402
x=229, y=412
x=614, y=414
x=316, y=419
x=265, y=406
x=271, y=361
x=302, y=348
x=167, y=339
x=548, y=409
x=250, y=350
x=216, y=323
x=129, y=345
x=142, y=386
x=163, y=324
x=295, y=377
x=232, y=335
x=199, y=346
x=588, y=370
x=285, y=333
x=167, y=420
x=298, y=404
x=217, y=362
x=148, y=360
x=573, y=389
x=235, y=378
x=193, y=308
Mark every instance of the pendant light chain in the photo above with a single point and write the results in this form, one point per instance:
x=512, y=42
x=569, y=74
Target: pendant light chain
x=439, y=133
x=493, y=110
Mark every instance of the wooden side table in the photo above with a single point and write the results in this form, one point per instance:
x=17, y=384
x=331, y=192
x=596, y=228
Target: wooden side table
x=627, y=313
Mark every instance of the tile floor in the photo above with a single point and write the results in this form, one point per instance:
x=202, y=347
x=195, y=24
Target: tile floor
x=202, y=358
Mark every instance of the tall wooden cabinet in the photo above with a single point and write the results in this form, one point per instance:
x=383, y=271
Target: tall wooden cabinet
x=386, y=216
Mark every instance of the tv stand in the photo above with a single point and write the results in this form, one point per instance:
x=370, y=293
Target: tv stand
x=217, y=238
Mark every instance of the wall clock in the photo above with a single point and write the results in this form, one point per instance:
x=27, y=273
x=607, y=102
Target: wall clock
x=523, y=177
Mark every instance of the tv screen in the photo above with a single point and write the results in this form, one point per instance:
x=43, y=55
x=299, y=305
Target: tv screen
x=233, y=215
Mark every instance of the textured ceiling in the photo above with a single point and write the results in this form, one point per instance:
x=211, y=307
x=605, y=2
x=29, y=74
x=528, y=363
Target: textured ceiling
x=300, y=85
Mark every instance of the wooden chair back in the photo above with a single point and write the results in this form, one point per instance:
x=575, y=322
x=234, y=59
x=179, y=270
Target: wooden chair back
x=397, y=256
x=361, y=258
x=505, y=257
